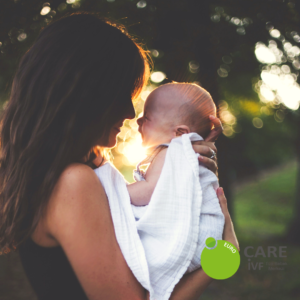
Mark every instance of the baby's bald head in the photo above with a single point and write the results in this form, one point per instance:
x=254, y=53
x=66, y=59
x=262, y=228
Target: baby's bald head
x=183, y=104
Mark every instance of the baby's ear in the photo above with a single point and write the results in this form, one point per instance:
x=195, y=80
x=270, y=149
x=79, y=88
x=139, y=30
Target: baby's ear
x=181, y=129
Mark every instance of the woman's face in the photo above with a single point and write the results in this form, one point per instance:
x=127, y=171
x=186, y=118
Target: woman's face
x=128, y=113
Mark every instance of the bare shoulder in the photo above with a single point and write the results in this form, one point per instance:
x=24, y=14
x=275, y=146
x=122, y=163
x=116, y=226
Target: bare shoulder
x=76, y=191
x=77, y=175
x=75, y=181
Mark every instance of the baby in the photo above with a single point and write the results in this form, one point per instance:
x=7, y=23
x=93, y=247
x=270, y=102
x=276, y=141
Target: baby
x=184, y=209
x=170, y=110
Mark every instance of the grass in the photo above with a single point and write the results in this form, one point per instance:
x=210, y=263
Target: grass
x=264, y=207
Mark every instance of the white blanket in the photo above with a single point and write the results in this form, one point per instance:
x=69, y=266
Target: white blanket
x=164, y=240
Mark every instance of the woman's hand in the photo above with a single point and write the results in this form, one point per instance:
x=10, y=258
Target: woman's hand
x=207, y=148
x=228, y=233
x=216, y=131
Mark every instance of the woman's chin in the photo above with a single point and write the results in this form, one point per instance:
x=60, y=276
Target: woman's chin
x=112, y=143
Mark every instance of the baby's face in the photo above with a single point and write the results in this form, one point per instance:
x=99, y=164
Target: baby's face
x=163, y=112
x=154, y=125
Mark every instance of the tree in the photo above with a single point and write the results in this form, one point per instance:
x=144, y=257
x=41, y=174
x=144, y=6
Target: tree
x=210, y=42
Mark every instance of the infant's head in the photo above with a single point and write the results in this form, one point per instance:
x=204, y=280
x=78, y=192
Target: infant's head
x=173, y=109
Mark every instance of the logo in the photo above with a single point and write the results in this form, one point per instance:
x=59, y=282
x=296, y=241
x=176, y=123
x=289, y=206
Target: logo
x=220, y=259
x=272, y=258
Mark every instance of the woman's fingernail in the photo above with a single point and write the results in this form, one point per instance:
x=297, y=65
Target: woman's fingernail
x=212, y=117
x=201, y=157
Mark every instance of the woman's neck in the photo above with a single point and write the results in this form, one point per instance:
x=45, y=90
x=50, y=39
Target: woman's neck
x=99, y=160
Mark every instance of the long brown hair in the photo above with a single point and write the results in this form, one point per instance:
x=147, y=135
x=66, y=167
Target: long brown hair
x=70, y=87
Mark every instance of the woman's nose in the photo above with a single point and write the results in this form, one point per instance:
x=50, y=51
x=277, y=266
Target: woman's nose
x=130, y=113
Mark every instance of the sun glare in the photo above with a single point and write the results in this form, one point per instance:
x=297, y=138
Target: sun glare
x=129, y=151
x=133, y=151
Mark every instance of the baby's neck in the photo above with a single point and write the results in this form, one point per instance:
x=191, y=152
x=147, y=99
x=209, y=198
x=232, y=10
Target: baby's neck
x=151, y=148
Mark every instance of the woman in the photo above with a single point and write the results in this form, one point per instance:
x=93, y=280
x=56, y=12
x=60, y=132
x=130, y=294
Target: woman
x=71, y=93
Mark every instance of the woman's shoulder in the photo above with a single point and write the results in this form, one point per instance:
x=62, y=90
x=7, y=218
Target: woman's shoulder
x=75, y=179
x=68, y=198
x=76, y=172
x=76, y=189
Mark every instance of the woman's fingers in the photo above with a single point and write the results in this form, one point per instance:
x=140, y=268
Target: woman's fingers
x=208, y=163
x=228, y=233
x=214, y=134
x=204, y=148
x=206, y=151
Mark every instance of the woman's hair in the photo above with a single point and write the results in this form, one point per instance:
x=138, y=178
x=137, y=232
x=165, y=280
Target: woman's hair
x=75, y=82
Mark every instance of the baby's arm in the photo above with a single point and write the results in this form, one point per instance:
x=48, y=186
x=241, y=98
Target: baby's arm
x=140, y=192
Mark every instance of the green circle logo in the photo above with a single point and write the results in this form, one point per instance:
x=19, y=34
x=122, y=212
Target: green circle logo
x=220, y=259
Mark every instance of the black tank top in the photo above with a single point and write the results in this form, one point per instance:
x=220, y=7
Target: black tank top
x=50, y=273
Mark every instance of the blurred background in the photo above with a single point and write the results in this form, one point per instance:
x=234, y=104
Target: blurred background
x=246, y=54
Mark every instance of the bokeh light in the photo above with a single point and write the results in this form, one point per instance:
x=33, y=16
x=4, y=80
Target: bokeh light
x=157, y=77
x=22, y=36
x=193, y=66
x=228, y=119
x=278, y=82
x=45, y=10
x=141, y=4
x=227, y=59
x=265, y=54
x=257, y=122
x=241, y=30
x=275, y=33
x=155, y=53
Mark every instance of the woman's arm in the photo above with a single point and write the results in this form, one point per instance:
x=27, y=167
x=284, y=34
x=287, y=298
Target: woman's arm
x=191, y=286
x=79, y=219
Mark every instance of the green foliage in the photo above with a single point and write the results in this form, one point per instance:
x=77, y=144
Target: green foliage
x=264, y=207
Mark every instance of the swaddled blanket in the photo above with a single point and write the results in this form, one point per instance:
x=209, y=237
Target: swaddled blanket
x=164, y=240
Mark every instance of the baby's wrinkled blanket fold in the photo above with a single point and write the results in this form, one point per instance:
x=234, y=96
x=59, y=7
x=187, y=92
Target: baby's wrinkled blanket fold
x=167, y=236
